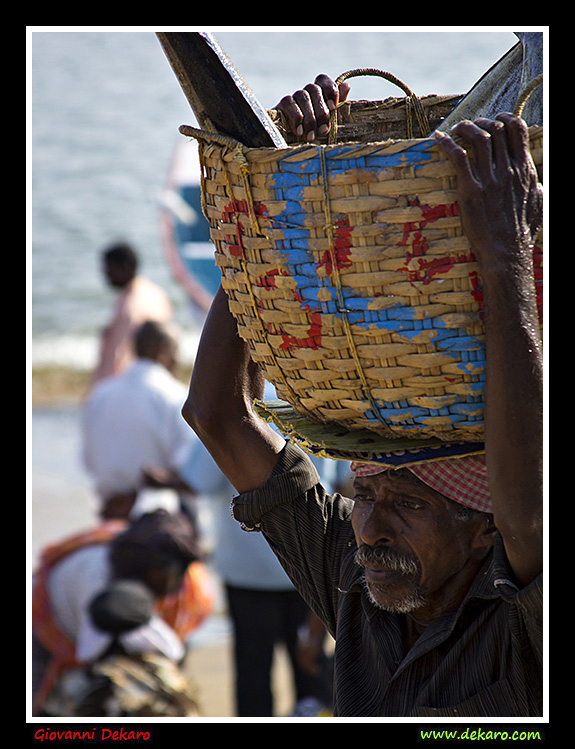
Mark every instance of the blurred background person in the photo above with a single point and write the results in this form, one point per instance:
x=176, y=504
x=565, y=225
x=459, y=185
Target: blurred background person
x=129, y=680
x=139, y=299
x=158, y=550
x=132, y=423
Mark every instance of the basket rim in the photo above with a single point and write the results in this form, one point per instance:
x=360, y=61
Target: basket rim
x=331, y=440
x=226, y=143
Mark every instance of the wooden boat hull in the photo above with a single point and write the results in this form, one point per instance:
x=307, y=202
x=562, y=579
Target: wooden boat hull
x=185, y=231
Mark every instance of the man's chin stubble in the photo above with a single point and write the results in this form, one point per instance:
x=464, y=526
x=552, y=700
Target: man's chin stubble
x=401, y=605
x=382, y=595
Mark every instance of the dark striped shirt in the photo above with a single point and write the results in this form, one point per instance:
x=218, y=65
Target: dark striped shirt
x=485, y=659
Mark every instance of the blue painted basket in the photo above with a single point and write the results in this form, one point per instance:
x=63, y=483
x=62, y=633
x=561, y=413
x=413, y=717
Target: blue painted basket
x=351, y=280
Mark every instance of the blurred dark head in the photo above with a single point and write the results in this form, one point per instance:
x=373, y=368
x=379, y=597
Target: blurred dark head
x=120, y=264
x=122, y=606
x=156, y=549
x=158, y=342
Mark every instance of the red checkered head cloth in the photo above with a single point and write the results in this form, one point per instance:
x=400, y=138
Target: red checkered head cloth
x=464, y=480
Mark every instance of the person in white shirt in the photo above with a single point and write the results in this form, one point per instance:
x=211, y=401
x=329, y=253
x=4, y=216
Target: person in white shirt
x=132, y=423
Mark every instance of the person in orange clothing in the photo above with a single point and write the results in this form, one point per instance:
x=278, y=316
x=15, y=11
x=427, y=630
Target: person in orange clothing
x=158, y=549
x=139, y=299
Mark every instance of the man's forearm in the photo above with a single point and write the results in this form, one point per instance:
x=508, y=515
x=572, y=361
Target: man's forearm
x=500, y=202
x=223, y=376
x=514, y=388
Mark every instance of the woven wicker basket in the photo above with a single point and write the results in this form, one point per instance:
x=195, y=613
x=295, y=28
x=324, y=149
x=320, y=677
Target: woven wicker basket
x=351, y=280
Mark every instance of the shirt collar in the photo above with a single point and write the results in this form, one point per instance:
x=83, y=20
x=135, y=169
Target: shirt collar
x=144, y=365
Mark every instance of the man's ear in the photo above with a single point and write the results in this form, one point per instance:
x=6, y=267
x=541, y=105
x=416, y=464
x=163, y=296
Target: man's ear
x=486, y=530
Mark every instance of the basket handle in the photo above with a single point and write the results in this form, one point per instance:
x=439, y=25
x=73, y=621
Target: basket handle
x=203, y=135
x=526, y=93
x=412, y=100
x=357, y=72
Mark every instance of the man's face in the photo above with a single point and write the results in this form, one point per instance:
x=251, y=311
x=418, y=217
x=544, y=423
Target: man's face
x=413, y=548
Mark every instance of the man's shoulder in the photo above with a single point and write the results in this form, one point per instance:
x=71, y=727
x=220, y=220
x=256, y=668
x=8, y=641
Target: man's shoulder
x=158, y=378
x=145, y=287
x=103, y=388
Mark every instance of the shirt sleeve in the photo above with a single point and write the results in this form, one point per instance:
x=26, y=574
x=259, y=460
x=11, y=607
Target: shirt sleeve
x=530, y=601
x=309, y=530
x=292, y=477
x=526, y=602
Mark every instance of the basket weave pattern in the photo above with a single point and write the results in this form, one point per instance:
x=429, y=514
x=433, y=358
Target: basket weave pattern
x=352, y=282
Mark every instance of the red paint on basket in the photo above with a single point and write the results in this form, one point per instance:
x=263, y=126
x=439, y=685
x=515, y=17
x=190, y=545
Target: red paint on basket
x=312, y=340
x=231, y=215
x=425, y=270
x=341, y=248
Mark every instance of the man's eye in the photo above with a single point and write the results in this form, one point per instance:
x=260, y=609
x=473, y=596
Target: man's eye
x=411, y=504
x=361, y=498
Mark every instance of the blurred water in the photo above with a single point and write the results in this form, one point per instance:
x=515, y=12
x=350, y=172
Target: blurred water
x=105, y=114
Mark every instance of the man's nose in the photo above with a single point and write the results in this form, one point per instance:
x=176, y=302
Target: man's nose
x=376, y=527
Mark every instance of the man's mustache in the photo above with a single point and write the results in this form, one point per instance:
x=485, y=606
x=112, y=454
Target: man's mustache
x=383, y=556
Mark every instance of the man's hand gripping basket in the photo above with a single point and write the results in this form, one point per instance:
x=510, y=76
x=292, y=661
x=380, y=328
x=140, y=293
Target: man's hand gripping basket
x=349, y=275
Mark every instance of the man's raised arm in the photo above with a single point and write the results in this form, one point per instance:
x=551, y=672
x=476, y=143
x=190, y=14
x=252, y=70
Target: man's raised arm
x=500, y=203
x=224, y=384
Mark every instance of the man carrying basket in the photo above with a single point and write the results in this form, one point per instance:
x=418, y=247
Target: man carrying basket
x=430, y=579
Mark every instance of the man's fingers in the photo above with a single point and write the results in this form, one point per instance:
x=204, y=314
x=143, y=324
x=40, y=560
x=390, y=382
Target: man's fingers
x=307, y=111
x=328, y=89
x=517, y=133
x=320, y=125
x=456, y=155
x=499, y=141
x=306, y=105
x=480, y=141
x=495, y=144
x=293, y=115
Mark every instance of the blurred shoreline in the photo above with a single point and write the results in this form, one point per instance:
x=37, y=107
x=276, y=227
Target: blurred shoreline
x=54, y=385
